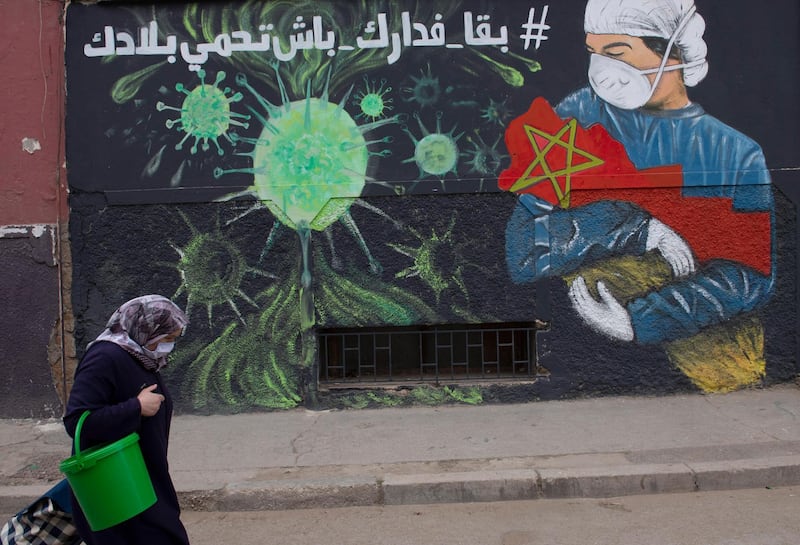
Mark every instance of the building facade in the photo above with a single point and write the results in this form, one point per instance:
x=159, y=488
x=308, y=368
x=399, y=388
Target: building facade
x=393, y=203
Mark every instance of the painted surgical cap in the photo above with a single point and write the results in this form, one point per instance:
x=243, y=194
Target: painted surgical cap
x=653, y=18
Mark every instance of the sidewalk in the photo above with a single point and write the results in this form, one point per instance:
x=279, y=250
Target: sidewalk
x=556, y=449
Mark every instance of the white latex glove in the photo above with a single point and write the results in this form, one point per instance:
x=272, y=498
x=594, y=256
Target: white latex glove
x=606, y=316
x=672, y=246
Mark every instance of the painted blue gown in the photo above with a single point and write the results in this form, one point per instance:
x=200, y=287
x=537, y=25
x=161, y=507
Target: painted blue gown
x=543, y=240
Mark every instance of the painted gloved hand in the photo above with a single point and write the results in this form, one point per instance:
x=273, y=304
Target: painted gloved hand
x=606, y=316
x=672, y=246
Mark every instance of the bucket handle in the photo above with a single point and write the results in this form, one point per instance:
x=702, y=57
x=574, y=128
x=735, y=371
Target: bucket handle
x=78, y=429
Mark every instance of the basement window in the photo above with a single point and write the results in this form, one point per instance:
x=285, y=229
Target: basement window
x=350, y=357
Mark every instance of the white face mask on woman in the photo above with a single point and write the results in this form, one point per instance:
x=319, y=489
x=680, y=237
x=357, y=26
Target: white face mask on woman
x=164, y=348
x=627, y=87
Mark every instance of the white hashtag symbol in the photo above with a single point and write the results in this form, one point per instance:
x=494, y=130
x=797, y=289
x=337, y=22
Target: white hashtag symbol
x=535, y=31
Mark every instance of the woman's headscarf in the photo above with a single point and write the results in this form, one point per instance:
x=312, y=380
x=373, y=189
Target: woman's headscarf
x=143, y=321
x=657, y=19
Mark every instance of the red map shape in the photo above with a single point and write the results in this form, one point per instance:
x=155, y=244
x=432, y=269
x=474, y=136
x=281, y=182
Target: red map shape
x=551, y=155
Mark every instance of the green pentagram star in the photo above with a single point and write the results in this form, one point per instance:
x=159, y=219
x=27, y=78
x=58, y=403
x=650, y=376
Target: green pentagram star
x=541, y=143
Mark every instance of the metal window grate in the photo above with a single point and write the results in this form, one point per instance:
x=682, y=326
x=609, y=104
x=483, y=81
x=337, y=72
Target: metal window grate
x=499, y=351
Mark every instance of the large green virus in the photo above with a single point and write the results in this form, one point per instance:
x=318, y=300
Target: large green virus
x=205, y=113
x=310, y=160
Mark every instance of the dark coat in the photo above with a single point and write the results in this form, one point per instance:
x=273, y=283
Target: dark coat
x=107, y=381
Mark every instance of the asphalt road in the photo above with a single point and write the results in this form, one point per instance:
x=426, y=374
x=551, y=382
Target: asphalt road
x=765, y=516
x=747, y=517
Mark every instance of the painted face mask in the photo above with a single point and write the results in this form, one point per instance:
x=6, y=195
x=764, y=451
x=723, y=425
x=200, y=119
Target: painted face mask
x=622, y=85
x=626, y=87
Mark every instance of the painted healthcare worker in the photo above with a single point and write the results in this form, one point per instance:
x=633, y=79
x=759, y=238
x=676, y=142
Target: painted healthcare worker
x=644, y=54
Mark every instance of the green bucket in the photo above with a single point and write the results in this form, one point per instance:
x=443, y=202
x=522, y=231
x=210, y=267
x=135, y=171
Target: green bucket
x=110, y=481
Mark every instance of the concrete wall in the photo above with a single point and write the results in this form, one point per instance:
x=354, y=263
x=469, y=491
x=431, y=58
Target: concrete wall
x=280, y=169
x=33, y=208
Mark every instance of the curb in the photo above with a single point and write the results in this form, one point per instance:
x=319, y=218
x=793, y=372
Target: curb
x=585, y=481
x=495, y=485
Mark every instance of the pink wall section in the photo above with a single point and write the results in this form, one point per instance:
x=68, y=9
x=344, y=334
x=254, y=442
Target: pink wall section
x=32, y=68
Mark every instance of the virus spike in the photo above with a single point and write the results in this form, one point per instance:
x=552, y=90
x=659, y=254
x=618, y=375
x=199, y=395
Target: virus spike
x=246, y=192
x=424, y=130
x=244, y=296
x=284, y=95
x=344, y=100
x=384, y=140
x=271, y=109
x=307, y=118
x=210, y=313
x=238, y=124
x=160, y=106
x=324, y=96
x=348, y=222
x=336, y=261
x=412, y=137
x=379, y=123
x=247, y=140
x=375, y=210
x=179, y=145
x=253, y=208
x=236, y=97
x=347, y=146
x=273, y=233
x=264, y=121
x=219, y=172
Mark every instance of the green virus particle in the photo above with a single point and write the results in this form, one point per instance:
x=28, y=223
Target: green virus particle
x=426, y=89
x=212, y=271
x=435, y=153
x=496, y=113
x=436, y=261
x=310, y=162
x=205, y=113
x=372, y=100
x=483, y=158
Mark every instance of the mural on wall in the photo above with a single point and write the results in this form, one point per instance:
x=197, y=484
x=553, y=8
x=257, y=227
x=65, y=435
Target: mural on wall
x=712, y=277
x=297, y=165
x=682, y=185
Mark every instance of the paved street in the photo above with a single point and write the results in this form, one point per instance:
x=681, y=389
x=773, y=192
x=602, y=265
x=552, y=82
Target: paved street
x=605, y=447
x=742, y=517
x=763, y=516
